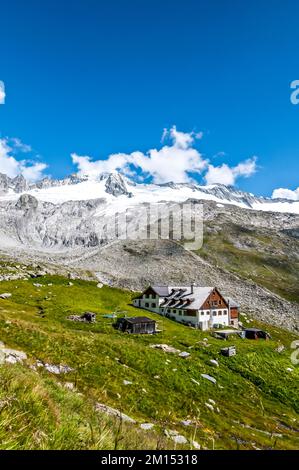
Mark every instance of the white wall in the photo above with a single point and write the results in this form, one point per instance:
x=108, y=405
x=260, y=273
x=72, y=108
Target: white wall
x=152, y=299
x=199, y=320
x=222, y=319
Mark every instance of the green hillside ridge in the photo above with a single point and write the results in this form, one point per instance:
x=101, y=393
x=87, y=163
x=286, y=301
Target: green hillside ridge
x=265, y=257
x=257, y=397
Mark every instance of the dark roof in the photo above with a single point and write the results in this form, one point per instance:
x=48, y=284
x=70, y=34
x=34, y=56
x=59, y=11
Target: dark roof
x=185, y=297
x=162, y=291
x=138, y=320
x=189, y=297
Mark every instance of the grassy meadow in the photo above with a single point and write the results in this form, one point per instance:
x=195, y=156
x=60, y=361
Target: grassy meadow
x=256, y=399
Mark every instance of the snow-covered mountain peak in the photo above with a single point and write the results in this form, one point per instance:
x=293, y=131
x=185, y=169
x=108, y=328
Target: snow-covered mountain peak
x=116, y=188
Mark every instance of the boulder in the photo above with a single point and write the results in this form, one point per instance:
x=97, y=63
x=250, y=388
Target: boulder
x=11, y=356
x=184, y=354
x=54, y=369
x=113, y=412
x=147, y=426
x=214, y=362
x=196, y=445
x=6, y=295
x=209, y=377
x=208, y=405
x=166, y=348
x=27, y=202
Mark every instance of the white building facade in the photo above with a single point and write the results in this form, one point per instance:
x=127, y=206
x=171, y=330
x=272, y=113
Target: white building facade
x=201, y=307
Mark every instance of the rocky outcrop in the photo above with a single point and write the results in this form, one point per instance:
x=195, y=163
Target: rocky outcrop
x=114, y=413
x=27, y=202
x=115, y=185
x=11, y=356
x=17, y=184
x=4, y=183
x=20, y=184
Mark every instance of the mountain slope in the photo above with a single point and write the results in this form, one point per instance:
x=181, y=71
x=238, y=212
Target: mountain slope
x=252, y=255
x=252, y=405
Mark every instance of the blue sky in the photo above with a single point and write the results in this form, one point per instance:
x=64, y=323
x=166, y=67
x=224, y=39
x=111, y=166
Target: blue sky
x=99, y=77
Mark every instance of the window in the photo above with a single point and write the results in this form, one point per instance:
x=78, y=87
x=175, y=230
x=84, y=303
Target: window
x=219, y=313
x=191, y=313
x=202, y=313
x=153, y=305
x=146, y=304
x=214, y=313
x=214, y=303
x=162, y=310
x=168, y=310
x=180, y=312
x=224, y=312
x=174, y=311
x=219, y=302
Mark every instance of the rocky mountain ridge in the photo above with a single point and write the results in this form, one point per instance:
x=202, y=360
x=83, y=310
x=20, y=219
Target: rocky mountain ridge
x=82, y=187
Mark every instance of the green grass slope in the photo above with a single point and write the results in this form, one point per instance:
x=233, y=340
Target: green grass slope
x=267, y=258
x=256, y=397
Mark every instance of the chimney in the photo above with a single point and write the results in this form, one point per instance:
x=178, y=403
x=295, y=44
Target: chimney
x=192, y=287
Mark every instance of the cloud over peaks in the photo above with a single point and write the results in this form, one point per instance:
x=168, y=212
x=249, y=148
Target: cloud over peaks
x=9, y=165
x=178, y=160
x=284, y=193
x=228, y=175
x=172, y=162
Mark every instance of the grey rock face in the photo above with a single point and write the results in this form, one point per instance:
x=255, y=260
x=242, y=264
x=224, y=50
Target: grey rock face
x=20, y=184
x=51, y=183
x=17, y=184
x=11, y=356
x=4, y=182
x=26, y=201
x=45, y=183
x=115, y=185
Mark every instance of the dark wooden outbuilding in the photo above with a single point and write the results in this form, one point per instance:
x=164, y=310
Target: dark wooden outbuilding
x=230, y=351
x=136, y=325
x=255, y=333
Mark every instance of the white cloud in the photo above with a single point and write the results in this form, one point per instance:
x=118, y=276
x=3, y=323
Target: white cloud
x=12, y=167
x=33, y=172
x=19, y=146
x=93, y=168
x=174, y=162
x=170, y=163
x=180, y=139
x=8, y=164
x=285, y=193
x=227, y=175
x=2, y=93
x=220, y=174
x=246, y=168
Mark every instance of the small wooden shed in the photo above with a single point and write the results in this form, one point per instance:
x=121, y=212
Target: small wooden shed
x=230, y=351
x=136, y=325
x=256, y=333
